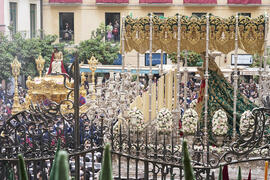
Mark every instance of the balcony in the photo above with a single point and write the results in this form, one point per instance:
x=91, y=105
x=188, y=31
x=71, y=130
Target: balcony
x=244, y=1
x=65, y=1
x=155, y=1
x=200, y=1
x=112, y=1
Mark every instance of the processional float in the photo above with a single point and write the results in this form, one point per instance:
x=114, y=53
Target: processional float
x=174, y=34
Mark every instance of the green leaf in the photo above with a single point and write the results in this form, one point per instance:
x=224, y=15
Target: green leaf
x=23, y=172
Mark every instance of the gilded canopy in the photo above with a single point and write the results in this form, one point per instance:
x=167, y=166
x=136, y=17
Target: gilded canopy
x=193, y=34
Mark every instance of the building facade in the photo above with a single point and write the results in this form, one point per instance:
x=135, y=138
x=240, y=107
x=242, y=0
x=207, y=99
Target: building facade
x=20, y=16
x=75, y=19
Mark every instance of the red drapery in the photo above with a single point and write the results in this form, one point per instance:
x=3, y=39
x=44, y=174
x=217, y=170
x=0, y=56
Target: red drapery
x=65, y=1
x=201, y=1
x=112, y=1
x=155, y=1
x=244, y=1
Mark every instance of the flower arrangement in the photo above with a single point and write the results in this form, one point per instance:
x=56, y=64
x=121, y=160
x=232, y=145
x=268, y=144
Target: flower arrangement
x=190, y=119
x=193, y=104
x=246, y=122
x=135, y=119
x=164, y=120
x=219, y=123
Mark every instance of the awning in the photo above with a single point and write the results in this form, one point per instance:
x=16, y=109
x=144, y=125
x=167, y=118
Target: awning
x=244, y=1
x=200, y=1
x=65, y=1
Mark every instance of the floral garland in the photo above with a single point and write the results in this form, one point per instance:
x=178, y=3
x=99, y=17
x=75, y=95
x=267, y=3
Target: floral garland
x=246, y=122
x=190, y=120
x=219, y=123
x=135, y=119
x=164, y=120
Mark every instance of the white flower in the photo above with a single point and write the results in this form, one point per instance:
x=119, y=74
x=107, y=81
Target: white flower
x=135, y=117
x=219, y=123
x=164, y=120
x=193, y=104
x=247, y=122
x=190, y=119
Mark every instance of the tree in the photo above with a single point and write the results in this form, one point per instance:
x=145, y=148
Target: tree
x=193, y=58
x=27, y=50
x=257, y=61
x=106, y=52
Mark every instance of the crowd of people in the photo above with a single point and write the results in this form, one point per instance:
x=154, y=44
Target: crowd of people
x=247, y=87
x=6, y=101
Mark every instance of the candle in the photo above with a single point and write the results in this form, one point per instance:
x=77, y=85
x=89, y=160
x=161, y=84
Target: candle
x=265, y=170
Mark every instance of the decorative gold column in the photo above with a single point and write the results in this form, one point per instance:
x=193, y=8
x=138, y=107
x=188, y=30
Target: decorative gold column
x=40, y=64
x=82, y=89
x=93, y=66
x=16, y=65
x=28, y=98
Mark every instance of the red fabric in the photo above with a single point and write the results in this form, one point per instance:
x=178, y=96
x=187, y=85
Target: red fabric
x=62, y=66
x=112, y=1
x=65, y=1
x=201, y=95
x=249, y=175
x=225, y=173
x=244, y=1
x=50, y=68
x=155, y=1
x=201, y=1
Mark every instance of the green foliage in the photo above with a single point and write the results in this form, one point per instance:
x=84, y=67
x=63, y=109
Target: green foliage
x=27, y=50
x=23, y=172
x=106, y=170
x=52, y=173
x=105, y=52
x=193, y=58
x=239, y=177
x=62, y=166
x=257, y=58
x=188, y=170
x=220, y=173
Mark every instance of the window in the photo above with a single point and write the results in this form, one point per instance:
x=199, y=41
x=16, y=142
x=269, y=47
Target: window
x=13, y=16
x=161, y=15
x=33, y=17
x=244, y=14
x=66, y=24
x=156, y=59
x=112, y=22
x=199, y=14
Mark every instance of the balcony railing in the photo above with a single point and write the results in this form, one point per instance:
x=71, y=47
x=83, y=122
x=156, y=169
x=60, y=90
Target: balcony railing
x=244, y=1
x=112, y=1
x=65, y=1
x=200, y=1
x=156, y=1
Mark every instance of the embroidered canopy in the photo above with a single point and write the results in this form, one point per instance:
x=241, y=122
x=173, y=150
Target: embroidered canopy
x=193, y=34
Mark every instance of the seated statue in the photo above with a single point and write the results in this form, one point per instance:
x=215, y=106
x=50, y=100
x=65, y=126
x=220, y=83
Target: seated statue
x=57, y=66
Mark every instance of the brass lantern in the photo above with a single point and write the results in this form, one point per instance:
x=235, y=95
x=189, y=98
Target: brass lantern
x=16, y=65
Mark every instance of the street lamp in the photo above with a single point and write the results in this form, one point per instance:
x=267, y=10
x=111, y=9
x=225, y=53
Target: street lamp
x=40, y=64
x=93, y=66
x=16, y=65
